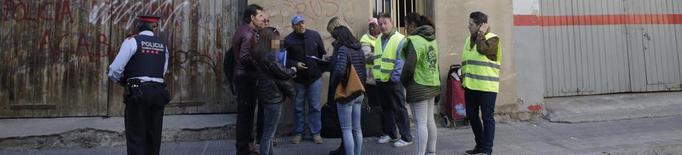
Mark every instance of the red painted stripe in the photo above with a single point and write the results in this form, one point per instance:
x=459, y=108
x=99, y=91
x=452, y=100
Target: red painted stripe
x=657, y=19
x=526, y=20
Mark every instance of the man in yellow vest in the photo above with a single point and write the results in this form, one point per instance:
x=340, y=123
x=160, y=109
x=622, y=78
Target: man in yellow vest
x=386, y=71
x=368, y=41
x=481, y=61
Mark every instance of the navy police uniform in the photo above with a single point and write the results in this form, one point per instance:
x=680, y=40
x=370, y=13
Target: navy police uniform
x=140, y=67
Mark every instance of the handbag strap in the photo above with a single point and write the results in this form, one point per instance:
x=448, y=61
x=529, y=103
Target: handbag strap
x=349, y=64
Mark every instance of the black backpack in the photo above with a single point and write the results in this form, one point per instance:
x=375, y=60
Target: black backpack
x=228, y=68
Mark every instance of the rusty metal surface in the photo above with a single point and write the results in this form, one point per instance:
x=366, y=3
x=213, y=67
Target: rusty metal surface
x=54, y=54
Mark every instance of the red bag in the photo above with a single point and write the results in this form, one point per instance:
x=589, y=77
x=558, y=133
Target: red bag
x=455, y=95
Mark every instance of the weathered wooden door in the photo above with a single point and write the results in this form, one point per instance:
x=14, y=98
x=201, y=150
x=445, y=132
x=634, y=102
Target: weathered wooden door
x=54, y=54
x=52, y=60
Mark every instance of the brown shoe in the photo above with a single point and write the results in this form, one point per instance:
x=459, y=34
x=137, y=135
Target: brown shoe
x=253, y=148
x=317, y=138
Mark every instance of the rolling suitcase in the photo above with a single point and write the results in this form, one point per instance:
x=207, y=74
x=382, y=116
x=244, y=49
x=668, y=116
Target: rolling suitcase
x=455, y=98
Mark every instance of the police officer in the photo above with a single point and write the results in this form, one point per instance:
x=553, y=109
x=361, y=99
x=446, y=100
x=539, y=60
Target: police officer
x=139, y=67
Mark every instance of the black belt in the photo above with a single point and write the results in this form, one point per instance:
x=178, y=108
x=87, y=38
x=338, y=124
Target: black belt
x=135, y=83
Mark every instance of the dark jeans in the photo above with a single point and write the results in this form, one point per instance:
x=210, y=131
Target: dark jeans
x=259, y=123
x=372, y=95
x=394, y=111
x=144, y=118
x=246, y=107
x=485, y=102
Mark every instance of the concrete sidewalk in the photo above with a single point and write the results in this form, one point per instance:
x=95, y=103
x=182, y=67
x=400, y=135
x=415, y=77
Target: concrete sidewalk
x=88, y=132
x=593, y=108
x=636, y=136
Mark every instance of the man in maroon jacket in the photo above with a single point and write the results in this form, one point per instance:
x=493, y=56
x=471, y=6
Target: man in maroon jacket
x=243, y=43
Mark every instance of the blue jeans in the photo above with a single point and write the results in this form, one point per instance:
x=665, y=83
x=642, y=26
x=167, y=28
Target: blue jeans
x=483, y=133
x=271, y=115
x=310, y=93
x=349, y=120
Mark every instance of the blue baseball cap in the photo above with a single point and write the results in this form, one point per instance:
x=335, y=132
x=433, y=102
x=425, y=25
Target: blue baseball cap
x=297, y=19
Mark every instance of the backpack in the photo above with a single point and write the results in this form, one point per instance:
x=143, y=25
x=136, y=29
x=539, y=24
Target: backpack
x=228, y=68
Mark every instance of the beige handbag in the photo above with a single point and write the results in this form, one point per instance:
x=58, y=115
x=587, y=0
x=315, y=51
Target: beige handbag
x=351, y=87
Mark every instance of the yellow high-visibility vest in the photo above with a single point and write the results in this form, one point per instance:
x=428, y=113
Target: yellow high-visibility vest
x=385, y=58
x=481, y=73
x=370, y=40
x=426, y=70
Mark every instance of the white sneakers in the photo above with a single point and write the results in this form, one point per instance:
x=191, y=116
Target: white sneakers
x=396, y=142
x=401, y=143
x=385, y=139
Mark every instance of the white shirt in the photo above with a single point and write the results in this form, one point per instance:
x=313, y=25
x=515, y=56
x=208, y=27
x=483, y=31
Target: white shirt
x=128, y=49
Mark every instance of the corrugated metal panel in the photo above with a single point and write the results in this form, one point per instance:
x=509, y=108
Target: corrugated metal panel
x=677, y=9
x=654, y=47
x=617, y=52
x=548, y=44
x=568, y=71
x=601, y=55
x=635, y=44
x=584, y=59
x=585, y=55
x=551, y=42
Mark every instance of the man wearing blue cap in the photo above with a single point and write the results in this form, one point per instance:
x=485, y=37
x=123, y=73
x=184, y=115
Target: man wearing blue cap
x=305, y=48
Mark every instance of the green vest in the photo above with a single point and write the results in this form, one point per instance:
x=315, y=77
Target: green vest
x=481, y=73
x=426, y=70
x=368, y=39
x=384, y=58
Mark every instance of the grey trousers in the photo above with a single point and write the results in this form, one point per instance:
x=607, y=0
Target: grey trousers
x=425, y=139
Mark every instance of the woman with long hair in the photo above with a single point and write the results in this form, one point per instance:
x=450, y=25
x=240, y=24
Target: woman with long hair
x=421, y=79
x=272, y=84
x=347, y=50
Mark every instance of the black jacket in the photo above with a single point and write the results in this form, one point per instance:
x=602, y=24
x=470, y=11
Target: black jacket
x=272, y=79
x=300, y=48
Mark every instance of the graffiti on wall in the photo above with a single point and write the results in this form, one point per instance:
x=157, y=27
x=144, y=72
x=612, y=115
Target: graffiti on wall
x=124, y=12
x=59, y=11
x=57, y=51
x=314, y=9
x=316, y=12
